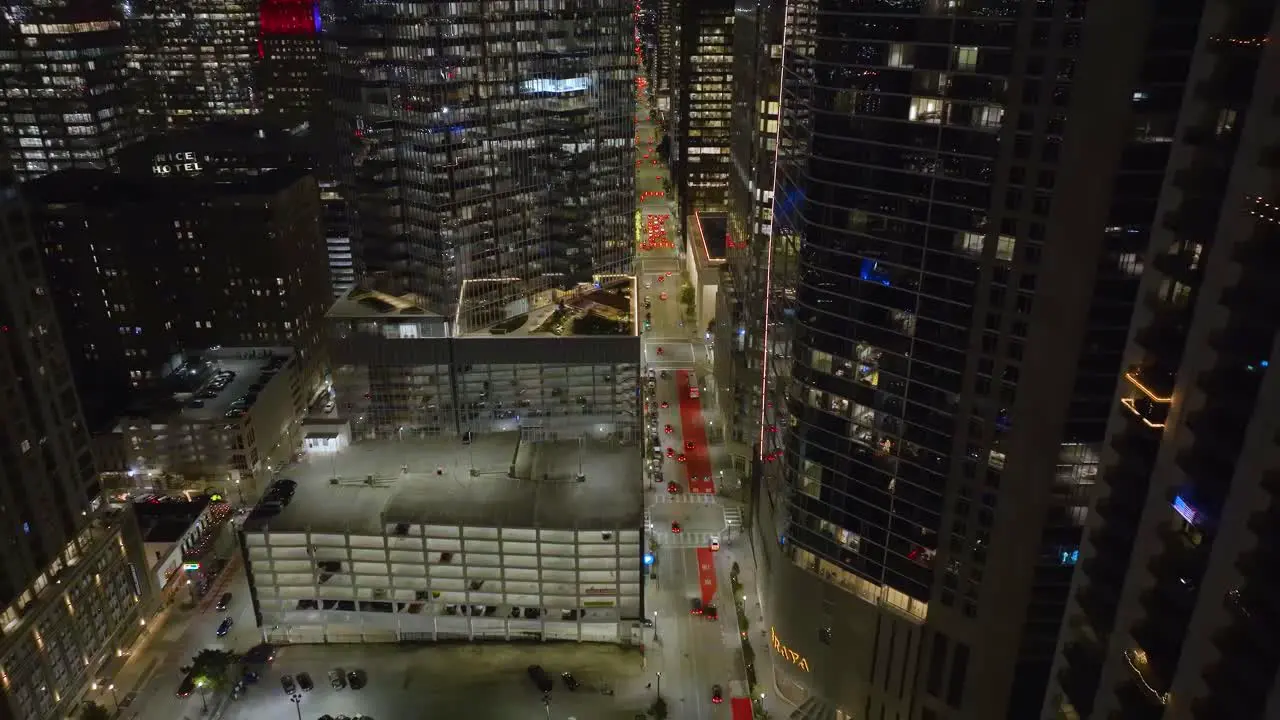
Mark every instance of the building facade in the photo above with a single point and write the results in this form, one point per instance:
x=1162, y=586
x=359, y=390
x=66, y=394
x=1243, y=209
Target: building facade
x=223, y=419
x=970, y=190
x=192, y=62
x=72, y=584
x=66, y=103
x=509, y=153
x=1172, y=604
x=150, y=265
x=291, y=67
x=701, y=110
x=400, y=370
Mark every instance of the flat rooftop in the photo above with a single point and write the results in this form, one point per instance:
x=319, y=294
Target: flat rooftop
x=713, y=233
x=363, y=302
x=506, y=308
x=191, y=392
x=431, y=481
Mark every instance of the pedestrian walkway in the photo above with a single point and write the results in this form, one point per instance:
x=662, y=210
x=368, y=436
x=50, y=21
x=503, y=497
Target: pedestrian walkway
x=740, y=552
x=685, y=539
x=732, y=516
x=696, y=498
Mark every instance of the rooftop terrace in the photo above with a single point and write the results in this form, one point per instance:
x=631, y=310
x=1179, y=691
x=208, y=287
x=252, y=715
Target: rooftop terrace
x=515, y=483
x=505, y=307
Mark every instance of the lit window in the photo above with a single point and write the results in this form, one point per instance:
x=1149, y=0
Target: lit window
x=930, y=110
x=966, y=58
x=900, y=55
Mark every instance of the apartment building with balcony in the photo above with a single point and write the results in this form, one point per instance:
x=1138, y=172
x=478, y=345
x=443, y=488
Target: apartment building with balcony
x=1173, y=603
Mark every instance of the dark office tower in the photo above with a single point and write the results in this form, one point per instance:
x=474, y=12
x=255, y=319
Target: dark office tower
x=148, y=266
x=65, y=103
x=489, y=140
x=701, y=108
x=757, y=47
x=69, y=592
x=972, y=186
x=291, y=77
x=1174, y=604
x=192, y=61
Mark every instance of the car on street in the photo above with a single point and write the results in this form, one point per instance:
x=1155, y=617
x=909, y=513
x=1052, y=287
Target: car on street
x=304, y=682
x=357, y=679
x=260, y=654
x=540, y=678
x=570, y=681
x=717, y=695
x=695, y=606
x=249, y=677
x=662, y=296
x=223, y=602
x=675, y=527
x=664, y=404
x=712, y=612
x=681, y=458
x=286, y=684
x=668, y=429
x=337, y=679
x=225, y=626
x=671, y=452
x=715, y=543
x=186, y=686
x=673, y=488
x=688, y=444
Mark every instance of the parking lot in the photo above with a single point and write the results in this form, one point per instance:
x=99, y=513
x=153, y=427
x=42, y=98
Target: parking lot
x=477, y=682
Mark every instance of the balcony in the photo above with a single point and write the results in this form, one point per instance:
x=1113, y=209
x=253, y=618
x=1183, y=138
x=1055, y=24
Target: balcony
x=1138, y=698
x=1193, y=220
x=1151, y=415
x=1229, y=384
x=1156, y=384
x=1099, y=602
x=1080, y=687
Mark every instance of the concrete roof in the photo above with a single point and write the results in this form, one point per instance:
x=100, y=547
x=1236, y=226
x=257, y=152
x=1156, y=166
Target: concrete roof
x=362, y=302
x=172, y=402
x=431, y=481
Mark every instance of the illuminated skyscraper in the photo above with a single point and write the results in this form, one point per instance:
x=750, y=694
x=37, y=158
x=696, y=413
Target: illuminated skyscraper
x=64, y=102
x=291, y=74
x=487, y=140
x=193, y=61
x=968, y=190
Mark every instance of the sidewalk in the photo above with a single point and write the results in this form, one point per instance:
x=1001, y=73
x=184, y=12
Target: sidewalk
x=758, y=634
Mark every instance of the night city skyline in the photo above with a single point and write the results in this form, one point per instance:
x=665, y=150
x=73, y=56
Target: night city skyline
x=804, y=359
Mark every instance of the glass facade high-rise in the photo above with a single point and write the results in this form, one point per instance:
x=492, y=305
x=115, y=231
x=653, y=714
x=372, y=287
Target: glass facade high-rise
x=64, y=102
x=967, y=189
x=488, y=140
x=193, y=62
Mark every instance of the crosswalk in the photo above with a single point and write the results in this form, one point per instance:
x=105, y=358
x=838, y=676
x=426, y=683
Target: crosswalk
x=686, y=539
x=698, y=498
x=733, y=517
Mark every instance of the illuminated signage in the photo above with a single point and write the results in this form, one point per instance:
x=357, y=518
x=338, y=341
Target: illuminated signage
x=791, y=656
x=179, y=162
x=191, y=566
x=1188, y=513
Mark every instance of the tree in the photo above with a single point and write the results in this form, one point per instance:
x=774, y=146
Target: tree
x=94, y=711
x=734, y=570
x=210, y=668
x=686, y=295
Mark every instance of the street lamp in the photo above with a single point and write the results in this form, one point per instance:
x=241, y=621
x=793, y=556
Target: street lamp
x=204, y=705
x=655, y=626
x=546, y=703
x=296, y=699
x=114, y=699
x=659, y=688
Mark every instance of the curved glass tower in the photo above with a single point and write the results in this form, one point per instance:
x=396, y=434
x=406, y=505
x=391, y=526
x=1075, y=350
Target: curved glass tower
x=489, y=140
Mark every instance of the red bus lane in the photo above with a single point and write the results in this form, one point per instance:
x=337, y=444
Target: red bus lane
x=741, y=708
x=697, y=462
x=707, y=575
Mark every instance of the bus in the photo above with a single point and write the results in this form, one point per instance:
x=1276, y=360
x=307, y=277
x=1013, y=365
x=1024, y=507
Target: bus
x=693, y=386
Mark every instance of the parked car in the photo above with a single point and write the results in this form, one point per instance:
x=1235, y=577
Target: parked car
x=337, y=679
x=225, y=626
x=304, y=682
x=186, y=686
x=540, y=678
x=286, y=684
x=357, y=679
x=223, y=602
x=261, y=654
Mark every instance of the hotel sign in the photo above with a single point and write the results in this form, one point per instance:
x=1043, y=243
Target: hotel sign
x=787, y=653
x=178, y=162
